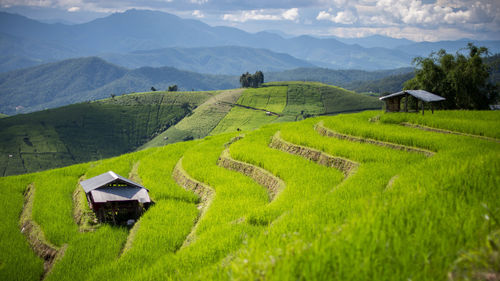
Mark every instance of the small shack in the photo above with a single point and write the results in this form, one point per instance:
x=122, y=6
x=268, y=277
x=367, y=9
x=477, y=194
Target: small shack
x=393, y=101
x=114, y=198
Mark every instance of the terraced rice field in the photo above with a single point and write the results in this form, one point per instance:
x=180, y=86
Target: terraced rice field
x=348, y=197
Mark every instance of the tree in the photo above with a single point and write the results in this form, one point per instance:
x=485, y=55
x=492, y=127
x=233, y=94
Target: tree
x=172, y=88
x=461, y=79
x=249, y=80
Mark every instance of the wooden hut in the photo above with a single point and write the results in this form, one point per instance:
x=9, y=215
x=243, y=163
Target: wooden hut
x=393, y=101
x=114, y=198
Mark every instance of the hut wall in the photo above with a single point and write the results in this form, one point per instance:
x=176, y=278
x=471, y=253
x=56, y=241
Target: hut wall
x=393, y=104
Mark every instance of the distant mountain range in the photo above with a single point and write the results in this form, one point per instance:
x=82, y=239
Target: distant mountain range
x=77, y=80
x=214, y=60
x=138, y=38
x=83, y=79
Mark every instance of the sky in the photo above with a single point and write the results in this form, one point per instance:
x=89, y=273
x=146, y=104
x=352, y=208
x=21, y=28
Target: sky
x=418, y=20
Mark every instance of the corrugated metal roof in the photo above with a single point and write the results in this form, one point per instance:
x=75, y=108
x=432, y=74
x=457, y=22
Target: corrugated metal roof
x=106, y=178
x=103, y=195
x=419, y=94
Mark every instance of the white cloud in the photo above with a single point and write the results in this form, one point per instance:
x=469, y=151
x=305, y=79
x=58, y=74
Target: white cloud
x=199, y=2
x=262, y=14
x=74, y=9
x=198, y=14
x=348, y=16
x=292, y=14
x=412, y=33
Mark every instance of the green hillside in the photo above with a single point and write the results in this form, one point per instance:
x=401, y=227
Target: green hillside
x=345, y=197
x=285, y=101
x=292, y=101
x=95, y=130
x=89, y=131
x=201, y=122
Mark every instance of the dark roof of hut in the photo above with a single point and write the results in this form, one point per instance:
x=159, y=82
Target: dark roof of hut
x=101, y=191
x=419, y=94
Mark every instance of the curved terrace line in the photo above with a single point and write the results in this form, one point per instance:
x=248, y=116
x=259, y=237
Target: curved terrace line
x=347, y=167
x=263, y=177
x=35, y=236
x=443, y=131
x=322, y=130
x=205, y=192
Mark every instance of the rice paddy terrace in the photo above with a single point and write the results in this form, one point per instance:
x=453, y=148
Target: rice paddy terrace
x=105, y=128
x=363, y=196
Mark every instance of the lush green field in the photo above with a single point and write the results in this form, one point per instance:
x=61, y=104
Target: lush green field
x=454, y=120
x=201, y=122
x=293, y=101
x=89, y=131
x=400, y=215
x=270, y=98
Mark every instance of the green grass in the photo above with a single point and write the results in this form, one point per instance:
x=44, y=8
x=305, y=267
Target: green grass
x=454, y=120
x=88, y=131
x=294, y=101
x=400, y=216
x=243, y=119
x=201, y=122
x=306, y=99
x=268, y=98
x=17, y=260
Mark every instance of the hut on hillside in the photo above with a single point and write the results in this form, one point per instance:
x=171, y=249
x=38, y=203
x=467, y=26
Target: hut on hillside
x=114, y=198
x=393, y=101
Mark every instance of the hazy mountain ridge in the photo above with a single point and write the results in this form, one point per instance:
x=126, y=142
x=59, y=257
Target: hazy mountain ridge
x=136, y=30
x=77, y=80
x=229, y=60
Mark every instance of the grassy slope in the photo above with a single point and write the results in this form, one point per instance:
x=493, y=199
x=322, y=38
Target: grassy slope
x=294, y=101
x=400, y=215
x=88, y=131
x=201, y=122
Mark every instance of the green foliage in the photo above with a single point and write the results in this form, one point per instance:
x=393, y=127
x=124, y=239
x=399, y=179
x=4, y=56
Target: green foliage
x=248, y=80
x=462, y=80
x=172, y=88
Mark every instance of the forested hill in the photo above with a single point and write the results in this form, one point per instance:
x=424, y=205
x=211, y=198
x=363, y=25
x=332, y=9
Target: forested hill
x=83, y=79
x=76, y=80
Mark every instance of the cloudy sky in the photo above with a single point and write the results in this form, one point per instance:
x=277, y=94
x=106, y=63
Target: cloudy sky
x=419, y=20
